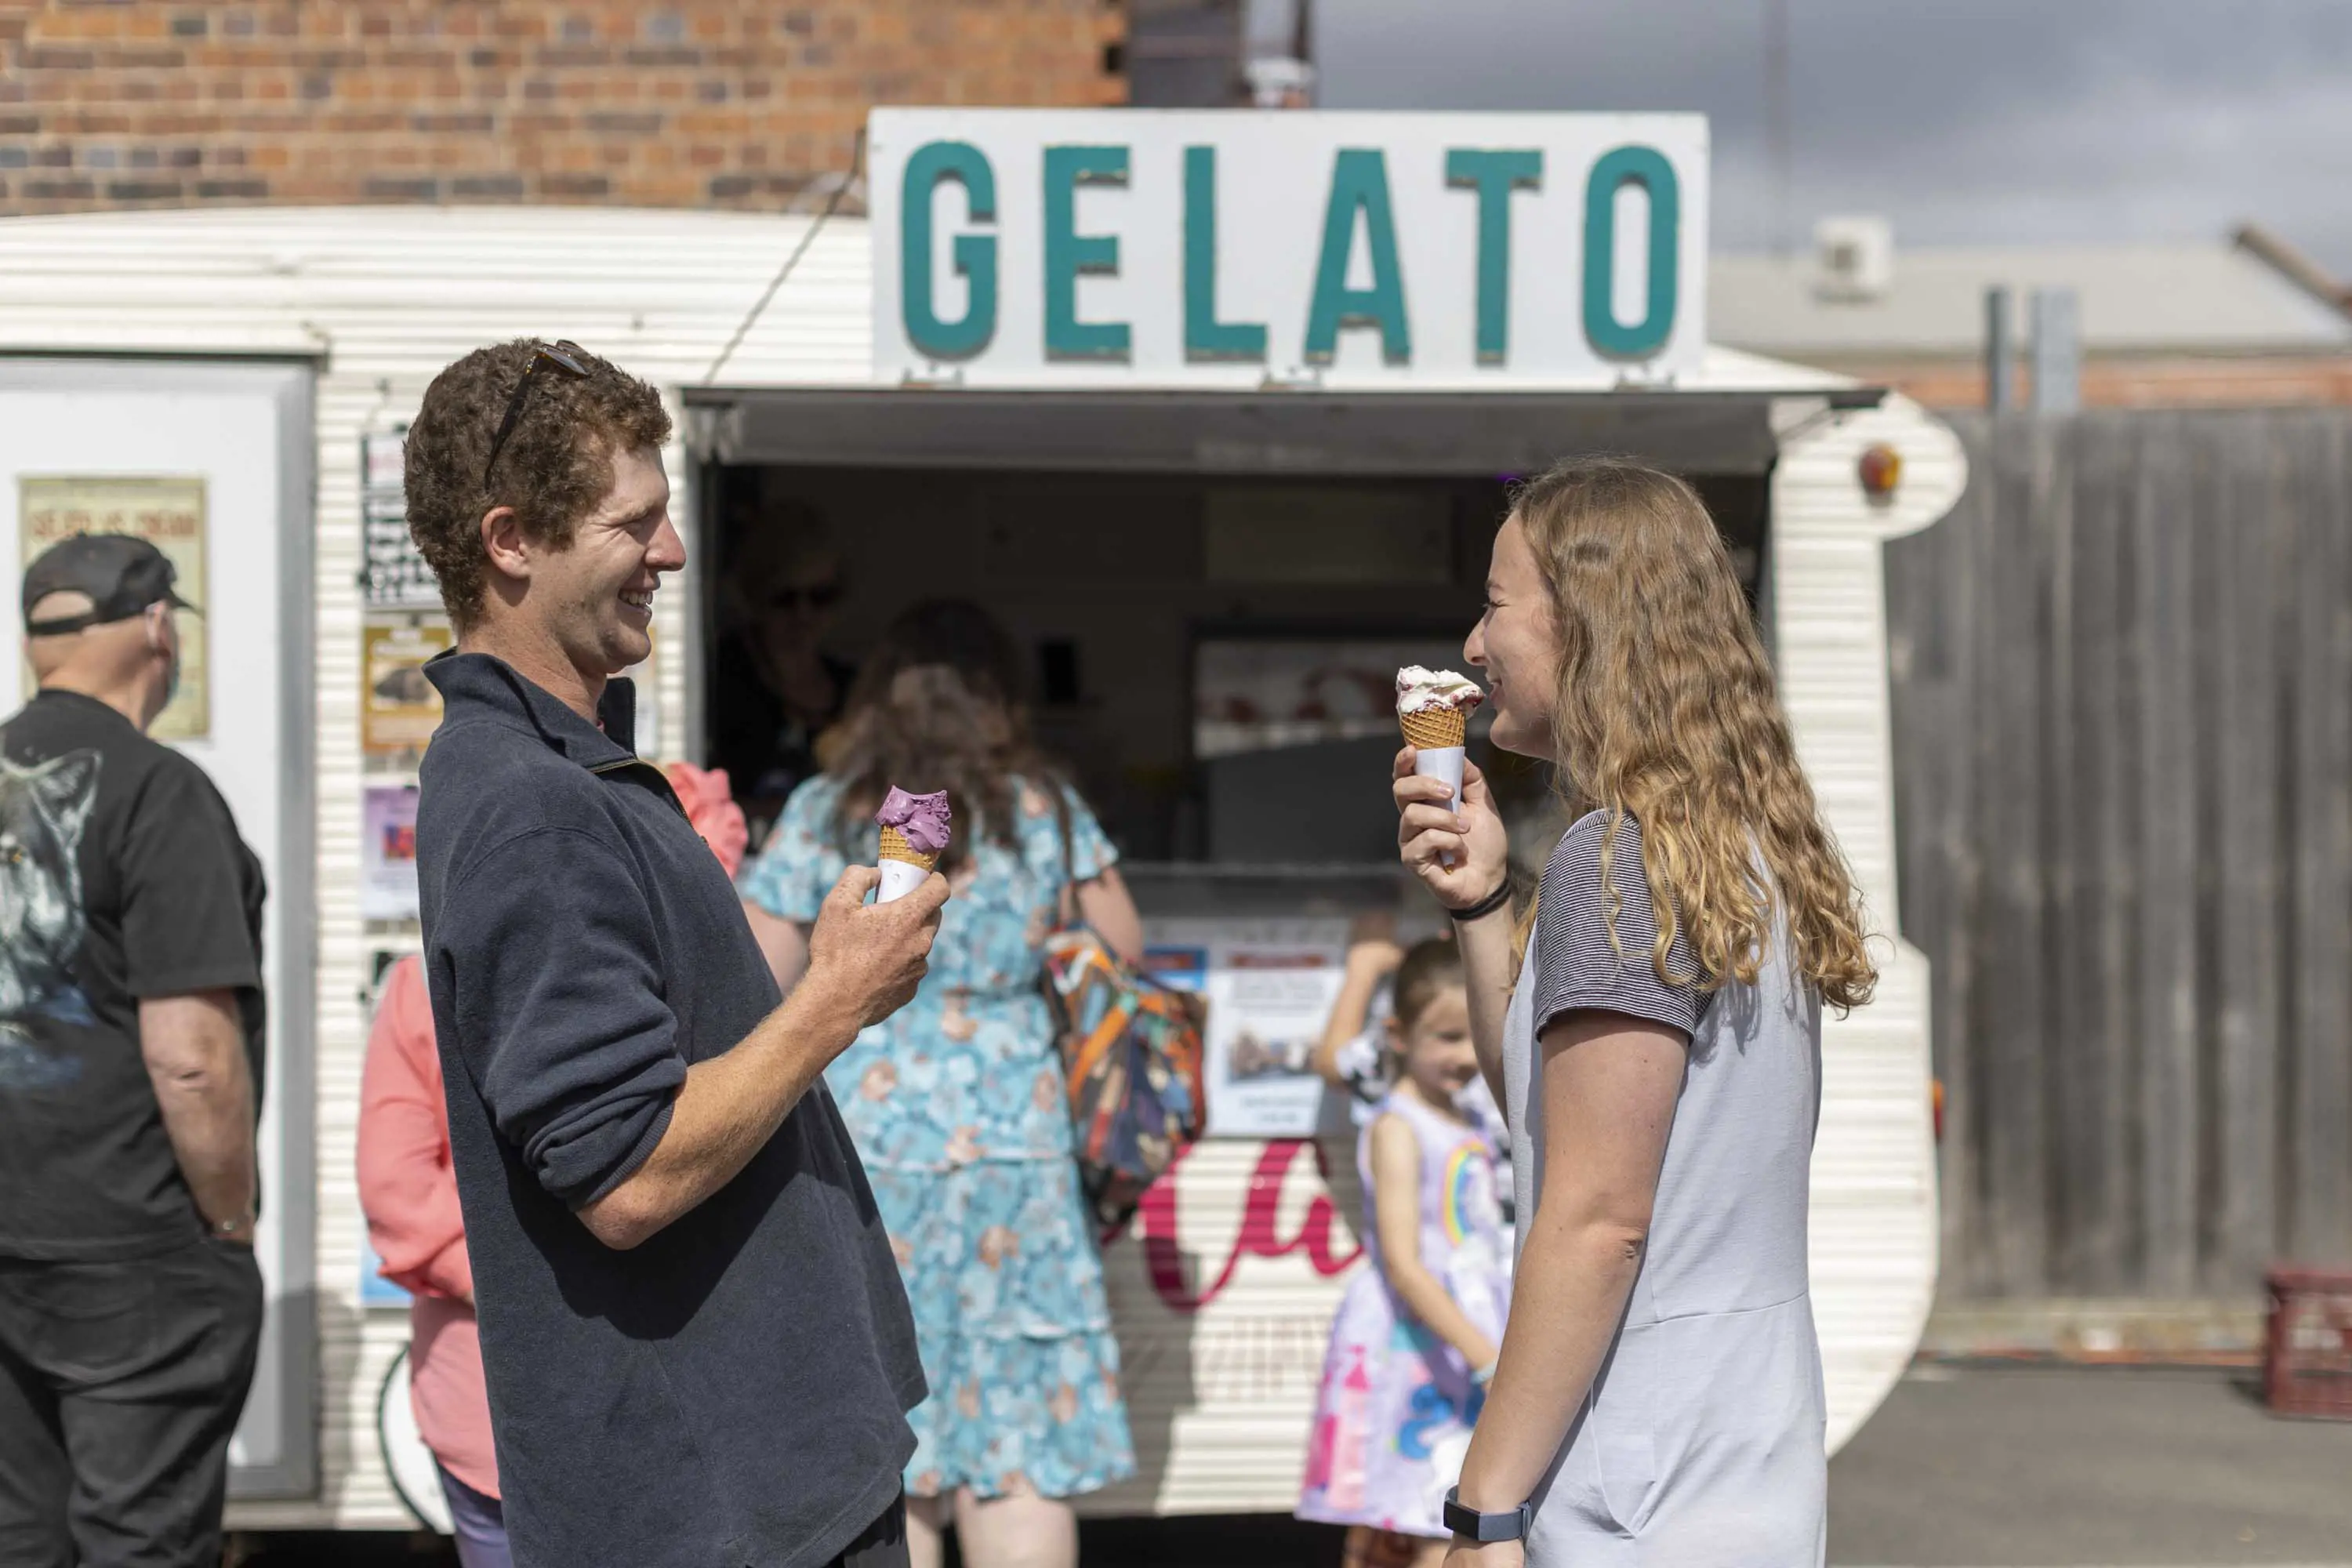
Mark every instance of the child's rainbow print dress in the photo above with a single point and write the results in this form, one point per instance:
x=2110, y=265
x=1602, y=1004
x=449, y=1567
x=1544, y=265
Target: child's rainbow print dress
x=1393, y=1417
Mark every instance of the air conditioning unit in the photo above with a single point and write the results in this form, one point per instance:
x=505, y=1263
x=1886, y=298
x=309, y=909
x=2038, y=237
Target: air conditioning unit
x=1853, y=258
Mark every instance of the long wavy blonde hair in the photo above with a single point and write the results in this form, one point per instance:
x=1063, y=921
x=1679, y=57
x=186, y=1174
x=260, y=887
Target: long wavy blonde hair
x=1666, y=709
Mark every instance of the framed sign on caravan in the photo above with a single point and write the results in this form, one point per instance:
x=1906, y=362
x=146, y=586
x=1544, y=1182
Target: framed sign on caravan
x=168, y=512
x=1217, y=249
x=213, y=462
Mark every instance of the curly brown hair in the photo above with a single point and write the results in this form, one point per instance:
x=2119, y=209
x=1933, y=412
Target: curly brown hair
x=556, y=466
x=940, y=704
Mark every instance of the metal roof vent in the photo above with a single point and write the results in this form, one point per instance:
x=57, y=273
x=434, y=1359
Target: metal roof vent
x=1853, y=258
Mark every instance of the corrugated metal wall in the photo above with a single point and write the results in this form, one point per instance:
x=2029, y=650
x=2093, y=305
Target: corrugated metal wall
x=1874, y=1222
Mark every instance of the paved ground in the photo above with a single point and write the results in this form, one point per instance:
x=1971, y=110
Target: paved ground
x=2043, y=1467
x=1230, y=1542
x=1963, y=1467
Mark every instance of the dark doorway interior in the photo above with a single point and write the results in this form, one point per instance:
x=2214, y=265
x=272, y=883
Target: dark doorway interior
x=1113, y=581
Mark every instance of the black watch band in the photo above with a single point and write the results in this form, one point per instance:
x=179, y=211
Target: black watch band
x=1472, y=1525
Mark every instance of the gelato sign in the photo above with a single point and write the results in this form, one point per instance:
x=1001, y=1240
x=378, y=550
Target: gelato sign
x=1047, y=249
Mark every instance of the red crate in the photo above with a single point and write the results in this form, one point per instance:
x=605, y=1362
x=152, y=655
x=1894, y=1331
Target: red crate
x=2307, y=1353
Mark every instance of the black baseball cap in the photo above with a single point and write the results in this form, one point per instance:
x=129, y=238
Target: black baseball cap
x=119, y=573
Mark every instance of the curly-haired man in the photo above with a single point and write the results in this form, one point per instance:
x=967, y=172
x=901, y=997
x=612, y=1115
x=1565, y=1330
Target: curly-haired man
x=696, y=1343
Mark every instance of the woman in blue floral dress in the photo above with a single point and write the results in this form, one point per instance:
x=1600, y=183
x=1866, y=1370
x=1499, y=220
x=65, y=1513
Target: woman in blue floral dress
x=957, y=1102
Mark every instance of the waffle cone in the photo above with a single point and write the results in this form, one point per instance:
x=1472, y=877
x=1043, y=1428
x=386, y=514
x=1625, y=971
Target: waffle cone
x=896, y=848
x=1434, y=727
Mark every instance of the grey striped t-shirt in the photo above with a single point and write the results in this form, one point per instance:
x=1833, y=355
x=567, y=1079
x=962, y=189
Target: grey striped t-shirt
x=1575, y=964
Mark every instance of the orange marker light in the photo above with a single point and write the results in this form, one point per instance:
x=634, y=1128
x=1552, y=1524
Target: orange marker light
x=1881, y=470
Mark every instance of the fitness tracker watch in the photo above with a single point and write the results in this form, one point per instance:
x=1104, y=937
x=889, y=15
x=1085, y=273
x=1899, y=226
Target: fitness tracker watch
x=1472, y=1525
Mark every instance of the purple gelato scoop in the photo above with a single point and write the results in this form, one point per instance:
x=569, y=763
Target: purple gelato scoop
x=922, y=819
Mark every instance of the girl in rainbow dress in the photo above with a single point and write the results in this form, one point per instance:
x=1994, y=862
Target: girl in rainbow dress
x=1415, y=1338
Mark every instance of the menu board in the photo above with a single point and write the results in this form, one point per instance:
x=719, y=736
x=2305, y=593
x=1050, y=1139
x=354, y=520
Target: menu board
x=395, y=576
x=1270, y=984
x=1263, y=694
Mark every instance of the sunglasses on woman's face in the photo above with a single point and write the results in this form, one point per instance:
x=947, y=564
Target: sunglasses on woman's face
x=563, y=358
x=813, y=597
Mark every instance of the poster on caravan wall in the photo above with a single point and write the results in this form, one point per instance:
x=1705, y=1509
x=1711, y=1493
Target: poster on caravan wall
x=1068, y=248
x=168, y=513
x=399, y=707
x=1270, y=985
x=388, y=852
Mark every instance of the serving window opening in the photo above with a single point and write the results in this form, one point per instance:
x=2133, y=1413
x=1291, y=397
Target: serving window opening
x=1212, y=657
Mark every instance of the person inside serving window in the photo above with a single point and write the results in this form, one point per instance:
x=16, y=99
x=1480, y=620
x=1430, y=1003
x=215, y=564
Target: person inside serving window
x=776, y=688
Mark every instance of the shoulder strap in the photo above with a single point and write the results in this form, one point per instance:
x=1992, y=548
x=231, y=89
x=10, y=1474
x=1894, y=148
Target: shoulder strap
x=1067, y=898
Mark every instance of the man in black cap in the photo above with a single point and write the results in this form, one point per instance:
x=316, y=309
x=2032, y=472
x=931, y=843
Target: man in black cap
x=131, y=1032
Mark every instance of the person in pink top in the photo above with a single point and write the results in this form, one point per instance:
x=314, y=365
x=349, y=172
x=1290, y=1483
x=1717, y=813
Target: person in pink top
x=409, y=1193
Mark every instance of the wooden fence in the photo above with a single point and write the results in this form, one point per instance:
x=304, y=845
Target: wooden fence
x=2123, y=747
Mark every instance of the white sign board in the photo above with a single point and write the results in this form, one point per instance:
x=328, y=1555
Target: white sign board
x=1222, y=249
x=1270, y=984
x=239, y=436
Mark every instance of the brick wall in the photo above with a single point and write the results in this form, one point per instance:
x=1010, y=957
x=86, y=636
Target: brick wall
x=129, y=103
x=2125, y=381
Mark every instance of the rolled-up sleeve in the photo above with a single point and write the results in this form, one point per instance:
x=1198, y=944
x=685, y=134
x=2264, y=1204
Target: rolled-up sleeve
x=561, y=1020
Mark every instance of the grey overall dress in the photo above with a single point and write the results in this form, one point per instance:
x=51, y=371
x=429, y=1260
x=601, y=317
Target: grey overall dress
x=1701, y=1444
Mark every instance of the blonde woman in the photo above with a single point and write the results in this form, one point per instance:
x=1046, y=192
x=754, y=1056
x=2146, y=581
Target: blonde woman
x=1658, y=1398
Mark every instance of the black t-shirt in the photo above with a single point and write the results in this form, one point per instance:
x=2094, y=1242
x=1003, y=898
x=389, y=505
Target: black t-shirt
x=121, y=878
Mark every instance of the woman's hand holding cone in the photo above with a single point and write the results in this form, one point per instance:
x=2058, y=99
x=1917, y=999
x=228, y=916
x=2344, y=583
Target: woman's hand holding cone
x=1429, y=835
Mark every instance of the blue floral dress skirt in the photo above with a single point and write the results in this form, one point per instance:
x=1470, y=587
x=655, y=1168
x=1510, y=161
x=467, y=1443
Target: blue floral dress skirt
x=958, y=1109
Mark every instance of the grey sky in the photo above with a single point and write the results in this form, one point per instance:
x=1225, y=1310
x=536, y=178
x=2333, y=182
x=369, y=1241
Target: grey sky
x=1992, y=122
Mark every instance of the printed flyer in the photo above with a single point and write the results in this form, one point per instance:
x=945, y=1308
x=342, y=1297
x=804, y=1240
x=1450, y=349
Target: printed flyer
x=399, y=709
x=388, y=853
x=1270, y=985
x=167, y=512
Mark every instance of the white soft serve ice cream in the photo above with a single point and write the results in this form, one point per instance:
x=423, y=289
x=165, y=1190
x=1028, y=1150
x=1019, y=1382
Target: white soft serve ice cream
x=1419, y=689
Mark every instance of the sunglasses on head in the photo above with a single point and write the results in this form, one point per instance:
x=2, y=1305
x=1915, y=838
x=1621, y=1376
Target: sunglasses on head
x=564, y=358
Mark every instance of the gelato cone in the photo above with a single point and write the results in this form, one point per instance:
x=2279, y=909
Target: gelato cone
x=1427, y=727
x=915, y=830
x=896, y=848
x=1434, y=711
x=1420, y=691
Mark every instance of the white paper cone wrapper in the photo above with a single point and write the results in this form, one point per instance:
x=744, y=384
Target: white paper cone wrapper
x=898, y=879
x=1442, y=763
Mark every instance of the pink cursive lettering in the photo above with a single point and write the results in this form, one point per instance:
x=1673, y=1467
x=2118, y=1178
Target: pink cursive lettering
x=1256, y=1238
